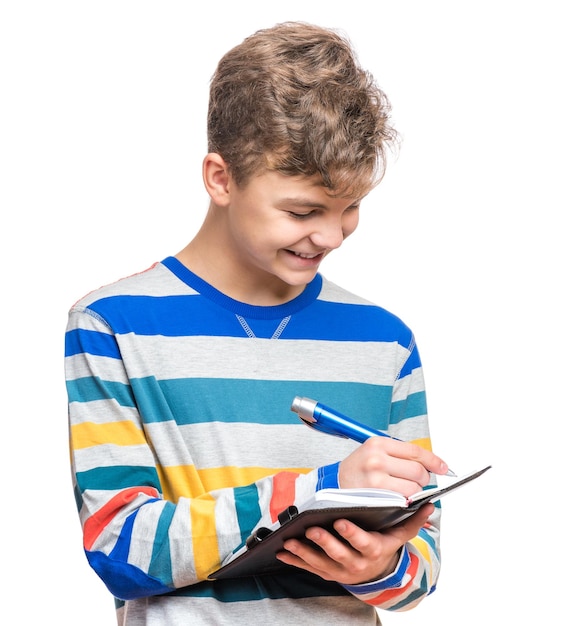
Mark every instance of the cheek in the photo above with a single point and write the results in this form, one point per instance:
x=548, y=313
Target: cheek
x=350, y=223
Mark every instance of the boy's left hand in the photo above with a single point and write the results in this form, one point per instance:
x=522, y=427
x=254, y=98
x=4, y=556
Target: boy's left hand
x=365, y=556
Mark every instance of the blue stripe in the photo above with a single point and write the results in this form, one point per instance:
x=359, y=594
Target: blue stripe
x=195, y=315
x=124, y=581
x=413, y=362
x=122, y=546
x=328, y=477
x=91, y=342
x=334, y=321
x=92, y=388
x=308, y=295
x=390, y=582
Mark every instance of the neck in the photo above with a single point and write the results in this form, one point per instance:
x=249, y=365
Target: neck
x=207, y=256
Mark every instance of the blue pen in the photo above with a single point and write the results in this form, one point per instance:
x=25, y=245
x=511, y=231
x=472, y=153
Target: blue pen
x=327, y=420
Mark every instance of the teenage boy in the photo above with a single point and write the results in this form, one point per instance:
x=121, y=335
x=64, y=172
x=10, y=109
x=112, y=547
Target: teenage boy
x=180, y=378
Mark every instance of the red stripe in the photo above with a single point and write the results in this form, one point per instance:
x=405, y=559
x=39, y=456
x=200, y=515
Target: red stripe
x=391, y=594
x=97, y=522
x=283, y=494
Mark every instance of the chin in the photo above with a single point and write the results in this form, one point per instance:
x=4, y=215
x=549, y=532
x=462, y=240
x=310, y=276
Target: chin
x=299, y=280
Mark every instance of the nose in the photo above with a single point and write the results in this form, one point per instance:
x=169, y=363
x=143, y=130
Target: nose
x=328, y=234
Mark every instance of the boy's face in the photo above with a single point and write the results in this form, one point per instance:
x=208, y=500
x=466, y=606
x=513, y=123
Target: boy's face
x=280, y=228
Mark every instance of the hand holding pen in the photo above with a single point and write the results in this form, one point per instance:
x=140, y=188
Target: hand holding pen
x=331, y=422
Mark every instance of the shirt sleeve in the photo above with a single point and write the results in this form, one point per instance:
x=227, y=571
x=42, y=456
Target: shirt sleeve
x=138, y=540
x=417, y=571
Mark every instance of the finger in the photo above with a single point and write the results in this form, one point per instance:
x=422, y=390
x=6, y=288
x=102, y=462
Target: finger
x=430, y=461
x=409, y=528
x=334, y=547
x=303, y=555
x=365, y=542
x=390, y=465
x=359, y=556
x=360, y=540
x=422, y=458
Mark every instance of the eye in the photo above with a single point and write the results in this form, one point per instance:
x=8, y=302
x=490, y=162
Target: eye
x=301, y=216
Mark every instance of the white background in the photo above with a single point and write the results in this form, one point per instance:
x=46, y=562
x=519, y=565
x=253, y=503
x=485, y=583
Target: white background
x=102, y=133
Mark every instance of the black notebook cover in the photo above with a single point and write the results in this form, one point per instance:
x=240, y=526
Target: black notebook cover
x=259, y=557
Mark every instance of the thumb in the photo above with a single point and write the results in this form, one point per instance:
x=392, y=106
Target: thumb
x=408, y=529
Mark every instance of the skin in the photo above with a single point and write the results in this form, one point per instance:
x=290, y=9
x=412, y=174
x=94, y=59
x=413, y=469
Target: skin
x=261, y=243
x=249, y=244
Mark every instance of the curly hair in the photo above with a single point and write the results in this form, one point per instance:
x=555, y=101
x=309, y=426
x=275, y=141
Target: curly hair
x=294, y=99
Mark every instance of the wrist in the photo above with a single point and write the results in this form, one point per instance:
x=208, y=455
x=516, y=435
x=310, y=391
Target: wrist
x=392, y=565
x=386, y=581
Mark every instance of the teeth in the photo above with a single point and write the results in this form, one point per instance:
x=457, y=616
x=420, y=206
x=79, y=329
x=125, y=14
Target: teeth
x=305, y=256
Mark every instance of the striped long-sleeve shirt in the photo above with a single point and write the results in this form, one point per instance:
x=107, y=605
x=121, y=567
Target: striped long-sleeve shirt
x=183, y=442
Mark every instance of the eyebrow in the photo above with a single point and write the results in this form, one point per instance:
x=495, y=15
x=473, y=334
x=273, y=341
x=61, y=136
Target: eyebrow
x=299, y=201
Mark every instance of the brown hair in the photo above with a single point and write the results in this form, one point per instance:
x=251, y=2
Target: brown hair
x=294, y=99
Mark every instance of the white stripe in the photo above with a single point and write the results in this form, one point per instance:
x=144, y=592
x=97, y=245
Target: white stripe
x=102, y=412
x=213, y=445
x=110, y=455
x=198, y=357
x=113, y=368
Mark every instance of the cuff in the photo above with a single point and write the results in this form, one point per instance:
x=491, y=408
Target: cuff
x=328, y=477
x=391, y=581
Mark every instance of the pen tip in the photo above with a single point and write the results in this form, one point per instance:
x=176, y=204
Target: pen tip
x=451, y=473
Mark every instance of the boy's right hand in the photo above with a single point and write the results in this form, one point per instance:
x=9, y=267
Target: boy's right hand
x=384, y=463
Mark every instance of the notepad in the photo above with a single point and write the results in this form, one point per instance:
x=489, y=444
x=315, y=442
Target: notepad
x=371, y=509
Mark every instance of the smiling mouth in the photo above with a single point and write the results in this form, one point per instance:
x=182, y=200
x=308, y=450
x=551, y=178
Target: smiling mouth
x=304, y=255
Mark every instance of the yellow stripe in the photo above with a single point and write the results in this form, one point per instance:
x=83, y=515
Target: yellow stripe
x=219, y=477
x=422, y=547
x=425, y=550
x=90, y=434
x=180, y=481
x=205, y=545
x=185, y=481
x=424, y=443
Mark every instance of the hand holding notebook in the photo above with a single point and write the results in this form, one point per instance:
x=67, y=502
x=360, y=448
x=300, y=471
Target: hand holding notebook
x=371, y=509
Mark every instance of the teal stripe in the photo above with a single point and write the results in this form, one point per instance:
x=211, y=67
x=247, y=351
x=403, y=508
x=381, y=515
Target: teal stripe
x=153, y=404
x=428, y=540
x=194, y=401
x=118, y=477
x=160, y=563
x=418, y=593
x=247, y=503
x=437, y=503
x=368, y=404
x=295, y=585
x=78, y=497
x=93, y=388
x=413, y=406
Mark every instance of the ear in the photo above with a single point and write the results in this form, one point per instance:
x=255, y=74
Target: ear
x=216, y=178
